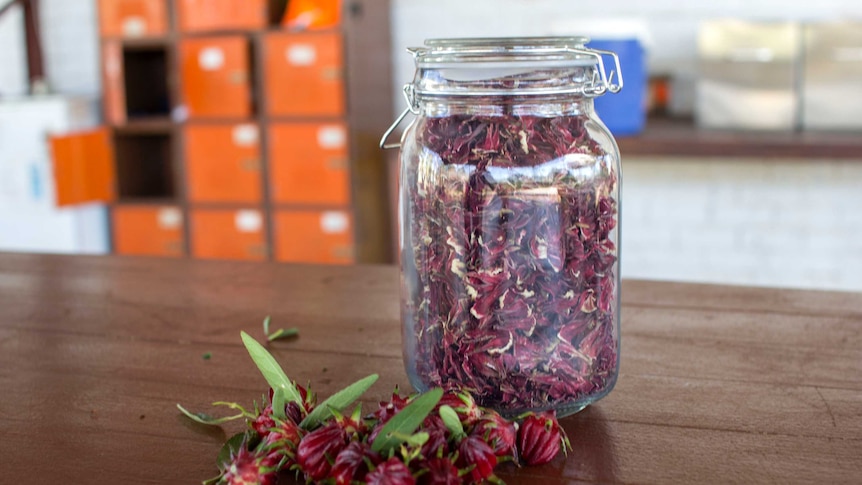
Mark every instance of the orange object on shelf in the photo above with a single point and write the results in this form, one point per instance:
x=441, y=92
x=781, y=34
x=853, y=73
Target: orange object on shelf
x=113, y=86
x=215, y=77
x=147, y=230
x=133, y=18
x=210, y=15
x=303, y=74
x=308, y=163
x=314, y=237
x=223, y=163
x=312, y=14
x=83, y=166
x=228, y=234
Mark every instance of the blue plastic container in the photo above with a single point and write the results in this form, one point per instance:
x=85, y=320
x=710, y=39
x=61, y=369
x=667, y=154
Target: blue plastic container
x=624, y=113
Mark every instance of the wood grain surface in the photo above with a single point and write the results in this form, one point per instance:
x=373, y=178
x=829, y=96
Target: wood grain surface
x=718, y=384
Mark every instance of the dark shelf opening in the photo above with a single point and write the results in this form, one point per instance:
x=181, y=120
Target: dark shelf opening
x=276, y=10
x=144, y=168
x=146, y=82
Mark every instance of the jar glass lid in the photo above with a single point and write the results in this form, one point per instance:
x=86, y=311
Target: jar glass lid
x=510, y=65
x=505, y=52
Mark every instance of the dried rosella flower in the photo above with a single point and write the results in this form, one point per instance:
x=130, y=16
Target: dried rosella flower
x=283, y=437
x=352, y=463
x=510, y=260
x=498, y=432
x=440, y=471
x=438, y=437
x=540, y=438
x=475, y=455
x=463, y=404
x=250, y=468
x=318, y=450
x=390, y=472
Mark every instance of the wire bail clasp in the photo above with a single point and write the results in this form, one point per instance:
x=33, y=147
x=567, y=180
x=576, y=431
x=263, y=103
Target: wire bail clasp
x=602, y=82
x=412, y=107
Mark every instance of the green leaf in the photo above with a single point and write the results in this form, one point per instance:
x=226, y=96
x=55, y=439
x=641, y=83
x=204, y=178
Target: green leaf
x=451, y=420
x=338, y=401
x=203, y=418
x=278, y=403
x=270, y=369
x=266, y=322
x=231, y=447
x=282, y=333
x=207, y=356
x=415, y=439
x=406, y=421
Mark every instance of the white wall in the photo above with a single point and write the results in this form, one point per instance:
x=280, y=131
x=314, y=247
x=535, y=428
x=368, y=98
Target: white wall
x=13, y=59
x=784, y=223
x=69, y=44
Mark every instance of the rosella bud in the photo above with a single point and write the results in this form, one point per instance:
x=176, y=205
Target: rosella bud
x=247, y=468
x=540, y=438
x=263, y=422
x=440, y=471
x=390, y=408
x=284, y=436
x=351, y=464
x=437, y=437
x=498, y=432
x=391, y=472
x=464, y=404
x=384, y=413
x=318, y=448
x=474, y=452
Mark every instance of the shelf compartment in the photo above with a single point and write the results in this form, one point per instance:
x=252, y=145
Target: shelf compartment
x=215, y=74
x=309, y=163
x=144, y=165
x=307, y=236
x=221, y=15
x=133, y=18
x=304, y=74
x=145, y=81
x=228, y=234
x=223, y=163
x=147, y=230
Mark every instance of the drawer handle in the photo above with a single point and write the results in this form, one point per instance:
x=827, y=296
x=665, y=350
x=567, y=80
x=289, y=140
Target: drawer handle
x=337, y=163
x=330, y=73
x=250, y=165
x=257, y=250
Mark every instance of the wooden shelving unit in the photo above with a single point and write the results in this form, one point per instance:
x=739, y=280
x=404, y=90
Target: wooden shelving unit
x=234, y=138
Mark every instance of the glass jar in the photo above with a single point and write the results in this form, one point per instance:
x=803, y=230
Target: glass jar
x=509, y=235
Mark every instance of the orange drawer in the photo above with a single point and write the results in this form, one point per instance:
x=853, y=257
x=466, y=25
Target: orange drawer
x=215, y=77
x=314, y=237
x=228, y=234
x=303, y=73
x=133, y=18
x=204, y=15
x=148, y=231
x=308, y=163
x=223, y=163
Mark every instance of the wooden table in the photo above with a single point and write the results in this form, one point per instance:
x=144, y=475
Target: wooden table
x=718, y=384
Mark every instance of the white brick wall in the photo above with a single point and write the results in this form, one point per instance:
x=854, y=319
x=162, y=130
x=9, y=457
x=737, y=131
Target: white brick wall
x=69, y=44
x=13, y=60
x=788, y=223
